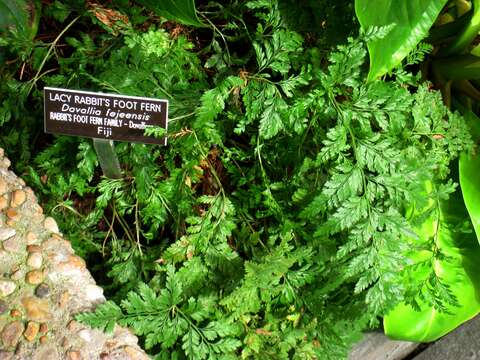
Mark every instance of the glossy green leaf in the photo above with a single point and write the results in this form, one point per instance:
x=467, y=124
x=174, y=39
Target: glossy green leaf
x=412, y=20
x=469, y=167
x=457, y=268
x=182, y=11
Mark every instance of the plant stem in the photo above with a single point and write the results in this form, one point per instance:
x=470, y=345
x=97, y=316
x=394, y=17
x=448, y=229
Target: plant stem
x=465, y=67
x=467, y=88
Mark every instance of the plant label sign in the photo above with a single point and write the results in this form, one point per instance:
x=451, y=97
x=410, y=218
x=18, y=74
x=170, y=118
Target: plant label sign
x=103, y=116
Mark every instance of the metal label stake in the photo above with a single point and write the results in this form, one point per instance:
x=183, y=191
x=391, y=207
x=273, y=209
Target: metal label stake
x=108, y=158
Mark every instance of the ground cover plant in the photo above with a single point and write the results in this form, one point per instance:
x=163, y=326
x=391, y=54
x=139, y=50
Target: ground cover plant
x=309, y=188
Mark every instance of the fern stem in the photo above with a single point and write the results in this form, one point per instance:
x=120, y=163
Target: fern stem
x=50, y=49
x=137, y=229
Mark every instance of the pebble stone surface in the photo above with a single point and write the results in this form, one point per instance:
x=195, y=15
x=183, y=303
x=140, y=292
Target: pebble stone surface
x=43, y=284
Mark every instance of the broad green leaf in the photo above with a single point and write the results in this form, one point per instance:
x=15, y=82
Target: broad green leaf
x=457, y=268
x=182, y=11
x=21, y=15
x=13, y=13
x=469, y=167
x=412, y=20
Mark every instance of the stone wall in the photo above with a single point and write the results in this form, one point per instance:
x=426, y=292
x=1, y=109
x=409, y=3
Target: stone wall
x=43, y=284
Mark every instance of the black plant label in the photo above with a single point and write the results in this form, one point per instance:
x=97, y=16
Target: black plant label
x=103, y=116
